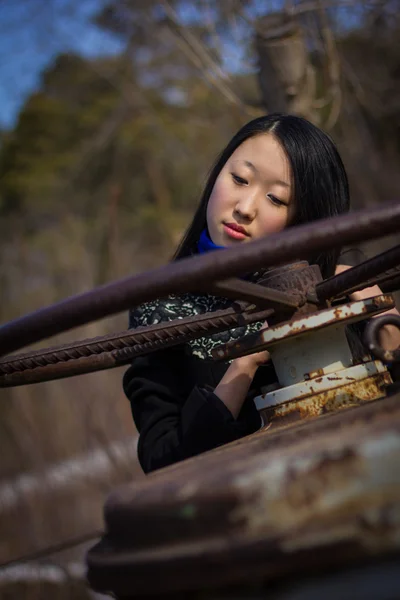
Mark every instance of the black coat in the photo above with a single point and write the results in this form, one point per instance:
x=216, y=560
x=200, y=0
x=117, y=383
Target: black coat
x=175, y=410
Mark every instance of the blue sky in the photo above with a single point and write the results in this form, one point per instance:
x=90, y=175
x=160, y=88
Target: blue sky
x=32, y=33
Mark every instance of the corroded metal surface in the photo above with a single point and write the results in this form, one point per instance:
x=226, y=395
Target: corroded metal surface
x=348, y=313
x=332, y=400
x=294, y=278
x=299, y=279
x=187, y=274
x=323, y=493
x=258, y=294
x=320, y=383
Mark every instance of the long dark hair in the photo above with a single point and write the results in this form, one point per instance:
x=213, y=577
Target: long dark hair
x=320, y=183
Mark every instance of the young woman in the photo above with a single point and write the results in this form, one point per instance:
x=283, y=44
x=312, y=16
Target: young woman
x=277, y=171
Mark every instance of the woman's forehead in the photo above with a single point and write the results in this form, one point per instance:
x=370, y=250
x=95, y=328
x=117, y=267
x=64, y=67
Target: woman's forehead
x=264, y=156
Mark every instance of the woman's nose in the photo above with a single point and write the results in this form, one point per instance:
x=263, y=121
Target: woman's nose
x=246, y=206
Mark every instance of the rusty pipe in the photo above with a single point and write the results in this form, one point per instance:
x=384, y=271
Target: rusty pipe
x=358, y=277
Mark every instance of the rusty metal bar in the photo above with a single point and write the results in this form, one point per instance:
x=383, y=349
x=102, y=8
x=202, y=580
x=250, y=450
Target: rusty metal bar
x=256, y=342
x=389, y=281
x=95, y=355
x=117, y=341
x=187, y=274
x=61, y=370
x=360, y=276
x=238, y=289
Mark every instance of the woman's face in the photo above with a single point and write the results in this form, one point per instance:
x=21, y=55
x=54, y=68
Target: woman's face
x=252, y=195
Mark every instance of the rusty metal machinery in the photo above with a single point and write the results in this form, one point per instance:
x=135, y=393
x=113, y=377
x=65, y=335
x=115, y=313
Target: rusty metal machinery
x=287, y=500
x=316, y=370
x=245, y=519
x=318, y=487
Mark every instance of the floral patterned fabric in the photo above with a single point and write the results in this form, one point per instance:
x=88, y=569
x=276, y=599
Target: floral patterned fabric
x=187, y=305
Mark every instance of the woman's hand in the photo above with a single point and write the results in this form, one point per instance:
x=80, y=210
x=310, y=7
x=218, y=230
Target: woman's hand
x=251, y=362
x=233, y=387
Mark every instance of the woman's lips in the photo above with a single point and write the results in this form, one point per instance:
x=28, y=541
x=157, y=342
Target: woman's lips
x=235, y=231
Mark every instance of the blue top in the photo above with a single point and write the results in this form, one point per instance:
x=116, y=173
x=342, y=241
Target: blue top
x=205, y=244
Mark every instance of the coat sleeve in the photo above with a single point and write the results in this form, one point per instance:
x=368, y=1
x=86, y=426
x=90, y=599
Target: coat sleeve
x=175, y=423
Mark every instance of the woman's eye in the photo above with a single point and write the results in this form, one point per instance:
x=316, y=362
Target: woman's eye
x=239, y=180
x=276, y=200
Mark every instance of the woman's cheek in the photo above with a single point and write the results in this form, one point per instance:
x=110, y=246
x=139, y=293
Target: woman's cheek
x=213, y=217
x=218, y=202
x=219, y=195
x=275, y=221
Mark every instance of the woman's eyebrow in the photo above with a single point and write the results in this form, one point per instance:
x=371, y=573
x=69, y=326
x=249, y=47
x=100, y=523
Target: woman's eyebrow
x=255, y=170
x=251, y=166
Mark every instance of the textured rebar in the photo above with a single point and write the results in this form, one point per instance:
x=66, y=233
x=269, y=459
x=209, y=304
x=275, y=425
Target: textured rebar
x=187, y=274
x=118, y=341
x=117, y=349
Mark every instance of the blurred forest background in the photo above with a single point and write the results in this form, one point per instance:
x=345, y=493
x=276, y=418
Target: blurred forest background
x=112, y=112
